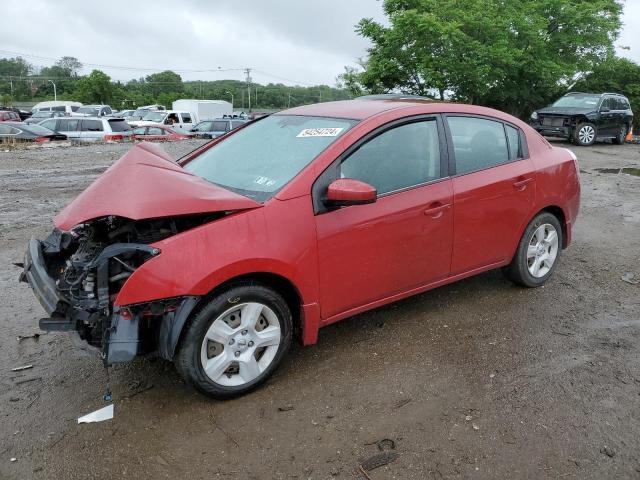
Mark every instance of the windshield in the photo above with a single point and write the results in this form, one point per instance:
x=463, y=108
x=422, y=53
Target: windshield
x=261, y=158
x=154, y=117
x=578, y=101
x=88, y=111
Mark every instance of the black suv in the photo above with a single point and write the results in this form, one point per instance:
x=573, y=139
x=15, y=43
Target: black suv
x=585, y=117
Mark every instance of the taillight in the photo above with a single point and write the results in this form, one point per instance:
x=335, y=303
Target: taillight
x=41, y=139
x=113, y=137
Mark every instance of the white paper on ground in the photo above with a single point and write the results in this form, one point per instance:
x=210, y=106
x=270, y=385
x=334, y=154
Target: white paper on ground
x=101, y=415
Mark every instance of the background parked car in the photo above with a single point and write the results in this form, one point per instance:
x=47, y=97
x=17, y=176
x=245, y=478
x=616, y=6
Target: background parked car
x=21, y=132
x=179, y=121
x=9, y=116
x=21, y=113
x=90, y=129
x=93, y=111
x=158, y=133
x=217, y=127
x=39, y=116
x=586, y=117
x=57, y=106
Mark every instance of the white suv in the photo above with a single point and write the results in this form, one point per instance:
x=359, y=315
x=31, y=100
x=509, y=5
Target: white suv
x=90, y=129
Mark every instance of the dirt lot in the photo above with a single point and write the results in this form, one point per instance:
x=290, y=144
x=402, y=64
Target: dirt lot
x=479, y=379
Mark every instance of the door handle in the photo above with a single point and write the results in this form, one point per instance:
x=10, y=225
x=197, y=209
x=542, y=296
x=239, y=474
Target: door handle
x=521, y=185
x=436, y=209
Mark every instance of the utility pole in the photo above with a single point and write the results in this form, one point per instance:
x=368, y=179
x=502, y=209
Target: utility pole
x=229, y=93
x=248, y=79
x=55, y=95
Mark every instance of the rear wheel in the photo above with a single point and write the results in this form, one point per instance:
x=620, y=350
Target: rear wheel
x=236, y=341
x=620, y=137
x=585, y=134
x=538, y=252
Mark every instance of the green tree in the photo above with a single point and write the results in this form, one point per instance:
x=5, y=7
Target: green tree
x=70, y=64
x=616, y=75
x=510, y=54
x=94, y=88
x=164, y=82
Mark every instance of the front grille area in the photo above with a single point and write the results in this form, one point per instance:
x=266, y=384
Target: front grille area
x=552, y=121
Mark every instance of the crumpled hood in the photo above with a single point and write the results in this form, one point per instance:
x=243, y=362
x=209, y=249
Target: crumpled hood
x=569, y=111
x=147, y=183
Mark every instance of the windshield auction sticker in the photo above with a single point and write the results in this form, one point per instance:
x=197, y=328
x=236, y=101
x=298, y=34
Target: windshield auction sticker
x=319, y=132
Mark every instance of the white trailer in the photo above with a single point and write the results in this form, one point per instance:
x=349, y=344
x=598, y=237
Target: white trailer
x=204, y=109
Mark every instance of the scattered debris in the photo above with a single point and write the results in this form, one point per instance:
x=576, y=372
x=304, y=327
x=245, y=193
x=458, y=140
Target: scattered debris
x=402, y=403
x=468, y=418
x=161, y=461
x=378, y=460
x=105, y=413
x=386, y=444
x=14, y=399
x=27, y=380
x=285, y=408
x=492, y=374
x=388, y=455
x=13, y=459
x=19, y=369
x=630, y=278
x=475, y=426
x=35, y=336
x=608, y=451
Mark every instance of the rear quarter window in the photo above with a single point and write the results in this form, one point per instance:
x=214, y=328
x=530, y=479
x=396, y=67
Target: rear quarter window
x=119, y=126
x=92, y=126
x=186, y=118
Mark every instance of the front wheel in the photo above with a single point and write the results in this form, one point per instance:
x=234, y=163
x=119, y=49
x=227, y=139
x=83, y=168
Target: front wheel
x=538, y=252
x=236, y=341
x=585, y=134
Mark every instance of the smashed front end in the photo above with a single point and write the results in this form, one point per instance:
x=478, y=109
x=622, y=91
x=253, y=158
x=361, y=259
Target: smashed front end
x=76, y=276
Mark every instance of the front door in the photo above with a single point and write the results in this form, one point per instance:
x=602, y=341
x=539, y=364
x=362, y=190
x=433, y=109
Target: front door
x=493, y=188
x=403, y=241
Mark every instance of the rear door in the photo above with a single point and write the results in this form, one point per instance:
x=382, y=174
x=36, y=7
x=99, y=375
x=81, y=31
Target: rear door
x=371, y=252
x=607, y=117
x=493, y=190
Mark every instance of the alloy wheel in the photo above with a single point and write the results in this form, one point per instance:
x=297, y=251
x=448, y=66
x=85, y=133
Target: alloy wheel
x=543, y=250
x=587, y=134
x=240, y=344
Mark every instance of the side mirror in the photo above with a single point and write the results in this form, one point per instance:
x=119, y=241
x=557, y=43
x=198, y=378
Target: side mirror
x=348, y=191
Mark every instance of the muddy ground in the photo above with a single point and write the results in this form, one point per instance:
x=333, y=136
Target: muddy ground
x=479, y=379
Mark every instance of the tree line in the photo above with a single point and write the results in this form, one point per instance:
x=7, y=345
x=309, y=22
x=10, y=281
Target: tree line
x=513, y=55
x=21, y=82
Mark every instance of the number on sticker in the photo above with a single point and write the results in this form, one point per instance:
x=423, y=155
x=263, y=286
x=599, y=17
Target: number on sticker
x=320, y=132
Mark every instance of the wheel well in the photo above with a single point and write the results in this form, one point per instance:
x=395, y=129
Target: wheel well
x=281, y=285
x=559, y=214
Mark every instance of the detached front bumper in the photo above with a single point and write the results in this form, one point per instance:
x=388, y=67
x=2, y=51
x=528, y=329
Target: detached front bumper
x=124, y=332
x=36, y=275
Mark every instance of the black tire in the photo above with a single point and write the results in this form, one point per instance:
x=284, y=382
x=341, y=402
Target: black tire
x=187, y=358
x=518, y=270
x=580, y=137
x=622, y=134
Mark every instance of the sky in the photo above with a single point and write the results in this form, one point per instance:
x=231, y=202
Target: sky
x=283, y=41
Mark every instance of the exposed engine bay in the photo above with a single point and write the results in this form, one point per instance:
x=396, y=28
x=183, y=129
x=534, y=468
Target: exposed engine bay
x=90, y=264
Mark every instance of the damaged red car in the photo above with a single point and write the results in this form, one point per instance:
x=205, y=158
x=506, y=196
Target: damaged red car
x=294, y=221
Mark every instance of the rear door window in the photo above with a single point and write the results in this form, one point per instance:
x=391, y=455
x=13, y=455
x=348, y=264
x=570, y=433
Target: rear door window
x=119, y=125
x=139, y=131
x=92, y=126
x=220, y=126
x=515, y=142
x=186, y=118
x=156, y=131
x=478, y=143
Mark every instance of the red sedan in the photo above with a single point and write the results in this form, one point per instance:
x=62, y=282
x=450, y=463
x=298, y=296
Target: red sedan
x=295, y=221
x=158, y=133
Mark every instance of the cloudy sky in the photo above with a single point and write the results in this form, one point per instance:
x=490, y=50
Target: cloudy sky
x=288, y=41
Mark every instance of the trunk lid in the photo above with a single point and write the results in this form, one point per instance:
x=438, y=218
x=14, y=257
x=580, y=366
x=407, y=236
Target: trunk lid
x=147, y=183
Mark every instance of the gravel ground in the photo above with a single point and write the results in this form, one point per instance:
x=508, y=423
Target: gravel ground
x=479, y=379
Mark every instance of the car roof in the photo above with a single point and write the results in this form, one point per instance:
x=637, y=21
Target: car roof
x=595, y=94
